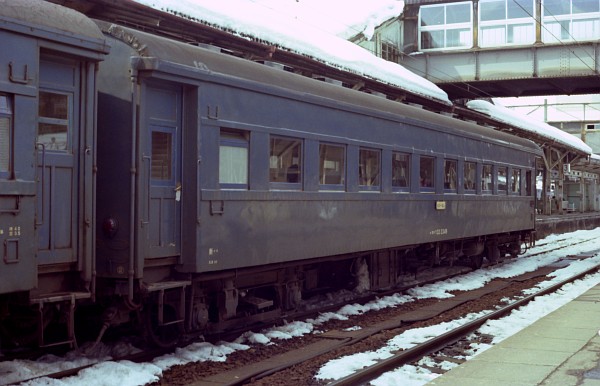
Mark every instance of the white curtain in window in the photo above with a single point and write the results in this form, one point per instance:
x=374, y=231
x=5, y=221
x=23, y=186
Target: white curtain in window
x=523, y=34
x=552, y=32
x=493, y=36
x=233, y=165
x=587, y=29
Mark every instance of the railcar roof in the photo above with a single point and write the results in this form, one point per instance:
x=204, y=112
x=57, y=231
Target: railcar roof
x=36, y=15
x=209, y=61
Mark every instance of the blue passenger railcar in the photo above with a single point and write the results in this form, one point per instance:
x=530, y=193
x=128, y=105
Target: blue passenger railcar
x=48, y=58
x=229, y=190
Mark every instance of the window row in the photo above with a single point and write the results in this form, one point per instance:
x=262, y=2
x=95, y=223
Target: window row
x=502, y=22
x=286, y=169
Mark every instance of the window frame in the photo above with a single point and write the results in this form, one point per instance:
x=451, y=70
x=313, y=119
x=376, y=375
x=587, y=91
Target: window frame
x=235, y=139
x=406, y=187
x=444, y=27
x=67, y=122
x=502, y=191
x=450, y=189
x=171, y=133
x=570, y=35
x=423, y=187
x=7, y=112
x=506, y=24
x=466, y=189
x=328, y=186
x=489, y=184
x=515, y=186
x=287, y=185
x=376, y=186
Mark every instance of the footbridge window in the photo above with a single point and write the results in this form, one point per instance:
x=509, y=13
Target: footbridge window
x=570, y=20
x=443, y=26
x=504, y=22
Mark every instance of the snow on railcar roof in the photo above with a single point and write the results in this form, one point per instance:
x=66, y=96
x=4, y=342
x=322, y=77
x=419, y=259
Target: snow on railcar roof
x=319, y=30
x=529, y=124
x=301, y=26
x=53, y=17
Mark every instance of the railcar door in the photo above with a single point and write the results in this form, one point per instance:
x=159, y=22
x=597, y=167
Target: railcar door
x=162, y=157
x=57, y=152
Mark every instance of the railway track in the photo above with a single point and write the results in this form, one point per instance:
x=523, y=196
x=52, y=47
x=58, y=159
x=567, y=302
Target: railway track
x=449, y=338
x=334, y=341
x=337, y=339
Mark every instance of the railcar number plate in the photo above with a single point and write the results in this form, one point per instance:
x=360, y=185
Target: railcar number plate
x=440, y=205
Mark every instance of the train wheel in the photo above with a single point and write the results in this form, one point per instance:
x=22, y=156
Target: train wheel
x=476, y=261
x=20, y=331
x=167, y=334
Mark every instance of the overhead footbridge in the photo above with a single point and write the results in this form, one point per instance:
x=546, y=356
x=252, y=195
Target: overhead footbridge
x=502, y=48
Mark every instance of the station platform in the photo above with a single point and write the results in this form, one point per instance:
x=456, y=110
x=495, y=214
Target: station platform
x=566, y=222
x=561, y=349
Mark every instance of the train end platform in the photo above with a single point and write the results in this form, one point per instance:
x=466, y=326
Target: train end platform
x=565, y=222
x=563, y=348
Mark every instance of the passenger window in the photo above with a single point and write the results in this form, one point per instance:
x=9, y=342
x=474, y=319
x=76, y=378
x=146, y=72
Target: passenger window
x=54, y=120
x=285, y=160
x=470, y=173
x=369, y=166
x=332, y=165
x=450, y=175
x=426, y=172
x=233, y=159
x=486, y=179
x=502, y=179
x=528, y=184
x=162, y=160
x=515, y=181
x=5, y=135
x=400, y=170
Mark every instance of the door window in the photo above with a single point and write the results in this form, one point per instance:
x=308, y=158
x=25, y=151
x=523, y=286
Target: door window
x=162, y=156
x=5, y=135
x=54, y=118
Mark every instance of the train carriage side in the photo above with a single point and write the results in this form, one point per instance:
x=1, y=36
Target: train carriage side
x=47, y=134
x=247, y=187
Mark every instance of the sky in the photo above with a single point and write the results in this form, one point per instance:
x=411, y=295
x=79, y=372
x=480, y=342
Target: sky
x=559, y=108
x=126, y=373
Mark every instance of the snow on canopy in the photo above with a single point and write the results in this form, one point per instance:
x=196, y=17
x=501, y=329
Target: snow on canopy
x=513, y=118
x=300, y=27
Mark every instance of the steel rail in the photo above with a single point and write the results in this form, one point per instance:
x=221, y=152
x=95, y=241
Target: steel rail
x=435, y=344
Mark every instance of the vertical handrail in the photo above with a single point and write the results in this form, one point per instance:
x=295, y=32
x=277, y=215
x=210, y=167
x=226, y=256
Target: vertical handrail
x=43, y=198
x=147, y=158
